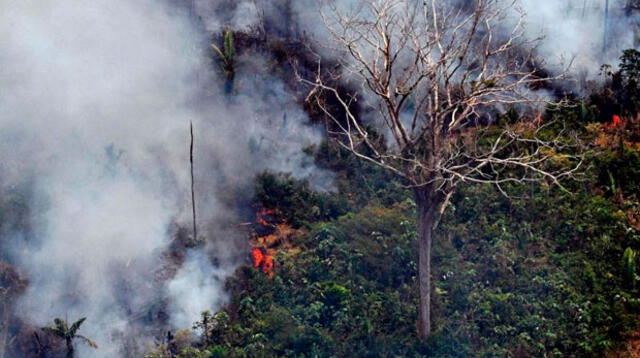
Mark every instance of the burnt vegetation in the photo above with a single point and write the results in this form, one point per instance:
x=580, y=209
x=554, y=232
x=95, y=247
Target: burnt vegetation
x=543, y=271
x=528, y=267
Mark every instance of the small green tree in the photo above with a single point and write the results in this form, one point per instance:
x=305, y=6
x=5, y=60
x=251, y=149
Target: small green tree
x=62, y=330
x=204, y=324
x=227, y=55
x=625, y=85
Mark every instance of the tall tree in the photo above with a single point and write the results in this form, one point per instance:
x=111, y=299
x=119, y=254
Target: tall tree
x=69, y=334
x=432, y=79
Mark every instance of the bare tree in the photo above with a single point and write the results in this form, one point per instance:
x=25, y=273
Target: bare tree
x=432, y=77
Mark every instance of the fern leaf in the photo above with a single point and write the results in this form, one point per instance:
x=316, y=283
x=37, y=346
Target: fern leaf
x=76, y=326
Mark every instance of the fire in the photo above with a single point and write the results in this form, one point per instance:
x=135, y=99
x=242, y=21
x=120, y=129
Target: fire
x=617, y=121
x=257, y=257
x=620, y=132
x=267, y=266
x=270, y=233
x=262, y=261
x=262, y=214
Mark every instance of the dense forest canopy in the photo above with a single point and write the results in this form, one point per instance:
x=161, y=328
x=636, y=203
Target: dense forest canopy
x=336, y=178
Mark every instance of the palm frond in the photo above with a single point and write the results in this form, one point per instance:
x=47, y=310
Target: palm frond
x=218, y=51
x=76, y=326
x=229, y=48
x=86, y=340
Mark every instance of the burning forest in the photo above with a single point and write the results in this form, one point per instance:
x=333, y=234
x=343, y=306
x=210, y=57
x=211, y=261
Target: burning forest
x=333, y=178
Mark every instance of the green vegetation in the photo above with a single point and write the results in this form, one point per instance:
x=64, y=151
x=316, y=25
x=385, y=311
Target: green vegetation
x=545, y=273
x=226, y=56
x=69, y=333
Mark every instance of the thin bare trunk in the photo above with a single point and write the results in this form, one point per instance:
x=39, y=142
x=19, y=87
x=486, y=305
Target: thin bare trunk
x=70, y=349
x=193, y=191
x=4, y=325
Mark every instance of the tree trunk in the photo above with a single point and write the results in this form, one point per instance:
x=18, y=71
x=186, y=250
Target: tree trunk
x=229, y=82
x=426, y=220
x=70, y=350
x=193, y=190
x=4, y=324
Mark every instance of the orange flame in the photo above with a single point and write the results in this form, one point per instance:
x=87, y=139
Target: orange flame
x=261, y=261
x=270, y=233
x=260, y=216
x=267, y=265
x=257, y=257
x=617, y=121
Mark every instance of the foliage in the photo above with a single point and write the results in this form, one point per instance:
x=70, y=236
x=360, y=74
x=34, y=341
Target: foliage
x=295, y=201
x=622, y=96
x=69, y=333
x=509, y=284
x=550, y=274
x=630, y=262
x=226, y=56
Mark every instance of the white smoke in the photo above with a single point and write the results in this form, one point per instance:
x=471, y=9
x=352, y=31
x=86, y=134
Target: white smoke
x=196, y=285
x=95, y=104
x=574, y=32
x=242, y=15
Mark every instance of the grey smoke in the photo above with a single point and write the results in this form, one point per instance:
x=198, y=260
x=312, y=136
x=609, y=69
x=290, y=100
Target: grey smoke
x=240, y=15
x=95, y=104
x=574, y=31
x=196, y=285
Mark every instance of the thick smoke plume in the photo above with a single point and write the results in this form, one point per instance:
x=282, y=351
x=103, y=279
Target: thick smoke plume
x=95, y=104
x=96, y=98
x=575, y=32
x=578, y=32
